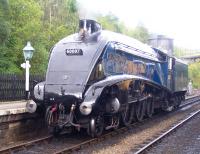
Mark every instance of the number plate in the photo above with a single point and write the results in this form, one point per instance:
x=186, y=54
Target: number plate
x=74, y=52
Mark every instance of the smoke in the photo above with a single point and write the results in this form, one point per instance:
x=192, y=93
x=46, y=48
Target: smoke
x=85, y=12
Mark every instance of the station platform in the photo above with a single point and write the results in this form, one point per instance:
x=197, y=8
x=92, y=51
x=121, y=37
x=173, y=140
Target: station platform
x=14, y=111
x=12, y=107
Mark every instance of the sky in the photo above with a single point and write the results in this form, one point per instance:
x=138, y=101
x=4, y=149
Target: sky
x=177, y=19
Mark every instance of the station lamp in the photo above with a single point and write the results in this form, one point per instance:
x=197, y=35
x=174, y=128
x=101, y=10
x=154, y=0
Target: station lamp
x=28, y=51
x=28, y=54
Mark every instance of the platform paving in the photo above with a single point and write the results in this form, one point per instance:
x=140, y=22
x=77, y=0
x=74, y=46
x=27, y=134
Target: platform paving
x=12, y=107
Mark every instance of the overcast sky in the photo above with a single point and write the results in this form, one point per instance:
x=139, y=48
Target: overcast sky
x=178, y=19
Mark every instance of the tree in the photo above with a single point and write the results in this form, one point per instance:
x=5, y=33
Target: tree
x=60, y=18
x=4, y=31
x=4, y=8
x=4, y=26
x=5, y=62
x=111, y=22
x=43, y=22
x=140, y=33
x=194, y=74
x=25, y=25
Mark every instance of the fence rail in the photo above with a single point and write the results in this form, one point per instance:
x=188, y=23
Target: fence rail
x=12, y=86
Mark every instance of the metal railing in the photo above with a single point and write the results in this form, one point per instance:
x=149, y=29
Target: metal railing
x=12, y=86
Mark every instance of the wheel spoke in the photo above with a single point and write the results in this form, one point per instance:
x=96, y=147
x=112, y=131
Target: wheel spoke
x=149, y=108
x=127, y=115
x=139, y=110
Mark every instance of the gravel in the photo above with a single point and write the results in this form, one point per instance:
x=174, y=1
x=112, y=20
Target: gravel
x=128, y=141
x=184, y=141
x=125, y=142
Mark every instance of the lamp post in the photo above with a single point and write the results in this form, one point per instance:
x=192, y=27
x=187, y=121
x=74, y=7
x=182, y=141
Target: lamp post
x=28, y=53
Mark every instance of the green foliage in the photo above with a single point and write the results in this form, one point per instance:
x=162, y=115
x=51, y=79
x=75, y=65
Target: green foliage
x=194, y=74
x=4, y=31
x=193, y=68
x=141, y=33
x=111, y=22
x=25, y=21
x=4, y=8
x=43, y=22
x=60, y=19
x=4, y=25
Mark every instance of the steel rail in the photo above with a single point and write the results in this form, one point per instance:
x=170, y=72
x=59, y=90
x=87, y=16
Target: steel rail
x=163, y=135
x=85, y=143
x=190, y=101
x=25, y=144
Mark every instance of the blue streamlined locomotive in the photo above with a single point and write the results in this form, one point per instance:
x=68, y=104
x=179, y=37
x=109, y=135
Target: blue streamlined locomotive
x=97, y=79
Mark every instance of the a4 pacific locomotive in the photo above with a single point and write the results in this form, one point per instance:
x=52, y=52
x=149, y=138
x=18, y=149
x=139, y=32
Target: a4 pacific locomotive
x=98, y=80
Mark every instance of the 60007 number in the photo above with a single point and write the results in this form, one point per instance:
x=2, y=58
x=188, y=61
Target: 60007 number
x=74, y=52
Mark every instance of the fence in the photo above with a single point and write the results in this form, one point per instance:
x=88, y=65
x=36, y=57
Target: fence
x=12, y=86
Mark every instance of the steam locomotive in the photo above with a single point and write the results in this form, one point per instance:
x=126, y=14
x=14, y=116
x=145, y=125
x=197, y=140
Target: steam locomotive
x=98, y=80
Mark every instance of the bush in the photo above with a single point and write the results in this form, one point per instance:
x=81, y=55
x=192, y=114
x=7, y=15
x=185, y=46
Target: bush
x=194, y=74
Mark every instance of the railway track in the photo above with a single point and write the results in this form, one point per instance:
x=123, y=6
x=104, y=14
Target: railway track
x=190, y=100
x=77, y=145
x=25, y=145
x=161, y=136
